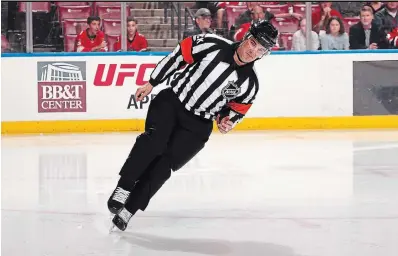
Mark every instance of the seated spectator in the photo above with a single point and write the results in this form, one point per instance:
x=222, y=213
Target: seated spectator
x=367, y=34
x=335, y=38
x=202, y=24
x=321, y=17
x=388, y=18
x=392, y=38
x=376, y=6
x=246, y=16
x=92, y=39
x=135, y=41
x=299, y=38
x=257, y=12
x=347, y=9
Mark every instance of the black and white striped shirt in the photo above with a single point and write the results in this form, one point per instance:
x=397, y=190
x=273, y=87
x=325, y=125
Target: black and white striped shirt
x=212, y=81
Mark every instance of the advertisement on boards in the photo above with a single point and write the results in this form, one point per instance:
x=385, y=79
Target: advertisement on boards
x=375, y=87
x=61, y=86
x=114, y=78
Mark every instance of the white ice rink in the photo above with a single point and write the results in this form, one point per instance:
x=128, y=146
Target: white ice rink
x=250, y=194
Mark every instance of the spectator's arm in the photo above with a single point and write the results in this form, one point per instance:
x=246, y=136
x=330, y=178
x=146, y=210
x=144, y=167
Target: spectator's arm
x=324, y=42
x=317, y=27
x=239, y=34
x=353, y=39
x=296, y=42
x=315, y=41
x=346, y=42
x=144, y=44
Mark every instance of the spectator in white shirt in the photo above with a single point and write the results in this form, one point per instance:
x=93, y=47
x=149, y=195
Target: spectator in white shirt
x=299, y=38
x=335, y=38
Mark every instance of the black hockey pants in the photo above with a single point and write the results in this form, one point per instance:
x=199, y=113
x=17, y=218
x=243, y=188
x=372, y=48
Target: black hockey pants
x=172, y=137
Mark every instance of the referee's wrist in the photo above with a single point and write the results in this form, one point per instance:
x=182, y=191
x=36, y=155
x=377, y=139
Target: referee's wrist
x=153, y=82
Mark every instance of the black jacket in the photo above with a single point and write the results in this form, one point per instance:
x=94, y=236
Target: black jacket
x=357, y=36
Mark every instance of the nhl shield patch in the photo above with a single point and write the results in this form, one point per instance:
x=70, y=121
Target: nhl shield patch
x=230, y=91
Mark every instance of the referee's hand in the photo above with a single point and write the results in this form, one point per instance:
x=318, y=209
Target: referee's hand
x=224, y=125
x=143, y=91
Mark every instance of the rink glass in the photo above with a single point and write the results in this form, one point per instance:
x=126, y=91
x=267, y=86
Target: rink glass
x=53, y=26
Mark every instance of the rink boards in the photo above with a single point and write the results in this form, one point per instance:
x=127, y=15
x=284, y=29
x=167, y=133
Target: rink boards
x=93, y=92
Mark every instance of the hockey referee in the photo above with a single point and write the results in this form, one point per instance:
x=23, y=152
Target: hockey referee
x=219, y=83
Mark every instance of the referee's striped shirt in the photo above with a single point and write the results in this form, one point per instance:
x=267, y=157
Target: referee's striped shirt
x=212, y=80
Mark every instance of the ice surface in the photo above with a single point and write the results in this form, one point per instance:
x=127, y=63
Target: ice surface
x=247, y=193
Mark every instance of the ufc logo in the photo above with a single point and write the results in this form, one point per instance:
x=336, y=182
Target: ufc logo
x=116, y=74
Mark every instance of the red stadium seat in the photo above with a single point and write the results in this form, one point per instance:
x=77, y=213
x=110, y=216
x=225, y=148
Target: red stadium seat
x=348, y=22
x=286, y=40
x=300, y=8
x=276, y=9
x=74, y=27
x=286, y=25
x=233, y=12
x=36, y=6
x=69, y=43
x=111, y=12
x=73, y=12
x=71, y=3
x=111, y=27
x=111, y=40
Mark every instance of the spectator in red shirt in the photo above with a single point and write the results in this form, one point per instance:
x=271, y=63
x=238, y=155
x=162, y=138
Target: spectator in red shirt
x=135, y=41
x=392, y=38
x=92, y=39
x=321, y=17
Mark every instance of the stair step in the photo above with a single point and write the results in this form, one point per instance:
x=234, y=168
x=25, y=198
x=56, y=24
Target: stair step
x=161, y=49
x=156, y=27
x=161, y=34
x=146, y=5
x=162, y=42
x=159, y=20
x=152, y=13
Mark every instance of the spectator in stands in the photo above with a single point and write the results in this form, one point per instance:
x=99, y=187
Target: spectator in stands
x=321, y=17
x=299, y=38
x=376, y=6
x=202, y=23
x=347, y=9
x=92, y=39
x=392, y=38
x=247, y=16
x=367, y=34
x=257, y=12
x=388, y=18
x=335, y=38
x=135, y=41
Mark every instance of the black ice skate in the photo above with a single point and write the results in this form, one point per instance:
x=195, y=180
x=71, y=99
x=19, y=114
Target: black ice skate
x=121, y=219
x=117, y=200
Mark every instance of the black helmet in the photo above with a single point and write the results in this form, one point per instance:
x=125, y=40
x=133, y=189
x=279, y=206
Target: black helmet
x=264, y=32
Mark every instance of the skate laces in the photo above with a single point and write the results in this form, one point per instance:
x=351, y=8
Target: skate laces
x=121, y=195
x=125, y=215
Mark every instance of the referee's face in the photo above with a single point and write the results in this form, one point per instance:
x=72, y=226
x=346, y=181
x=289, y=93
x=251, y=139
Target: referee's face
x=250, y=50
